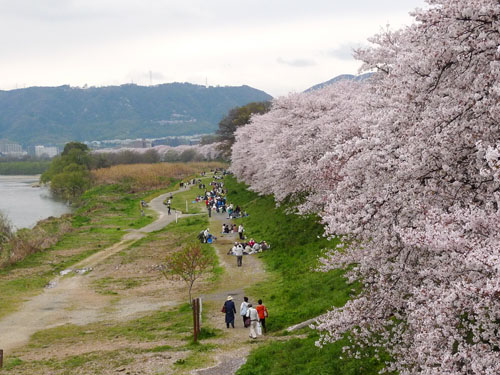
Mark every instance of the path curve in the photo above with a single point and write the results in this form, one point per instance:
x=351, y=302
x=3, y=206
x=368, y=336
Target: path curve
x=68, y=301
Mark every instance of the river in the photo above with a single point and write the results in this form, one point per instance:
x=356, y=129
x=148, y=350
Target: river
x=25, y=205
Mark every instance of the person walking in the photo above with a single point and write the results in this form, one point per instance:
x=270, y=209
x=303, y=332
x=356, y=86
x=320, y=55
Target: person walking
x=240, y=231
x=244, y=309
x=254, y=320
x=168, y=208
x=230, y=310
x=238, y=251
x=262, y=310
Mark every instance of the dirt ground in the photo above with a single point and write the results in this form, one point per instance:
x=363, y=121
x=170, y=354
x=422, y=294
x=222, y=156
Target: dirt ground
x=120, y=286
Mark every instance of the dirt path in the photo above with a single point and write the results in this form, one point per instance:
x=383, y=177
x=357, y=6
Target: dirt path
x=71, y=300
x=236, y=345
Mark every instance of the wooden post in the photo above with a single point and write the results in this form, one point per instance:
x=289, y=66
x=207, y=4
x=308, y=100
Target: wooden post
x=200, y=308
x=1, y=358
x=195, y=319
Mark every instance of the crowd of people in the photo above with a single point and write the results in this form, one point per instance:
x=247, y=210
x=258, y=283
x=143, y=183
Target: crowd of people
x=215, y=199
x=253, y=317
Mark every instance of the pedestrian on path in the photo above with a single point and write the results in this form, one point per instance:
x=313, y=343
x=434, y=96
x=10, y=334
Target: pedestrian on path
x=230, y=310
x=262, y=310
x=238, y=251
x=254, y=320
x=244, y=309
x=240, y=231
x=168, y=208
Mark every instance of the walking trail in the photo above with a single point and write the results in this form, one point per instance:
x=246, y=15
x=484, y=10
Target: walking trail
x=72, y=300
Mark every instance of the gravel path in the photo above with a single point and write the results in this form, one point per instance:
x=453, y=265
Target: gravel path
x=69, y=300
x=227, y=366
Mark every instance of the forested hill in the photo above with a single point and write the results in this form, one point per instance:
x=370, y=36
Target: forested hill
x=54, y=115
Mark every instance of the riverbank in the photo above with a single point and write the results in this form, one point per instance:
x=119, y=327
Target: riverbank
x=25, y=205
x=107, y=309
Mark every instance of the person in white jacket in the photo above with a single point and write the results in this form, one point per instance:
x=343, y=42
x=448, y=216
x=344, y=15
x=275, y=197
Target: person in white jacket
x=238, y=251
x=254, y=320
x=244, y=309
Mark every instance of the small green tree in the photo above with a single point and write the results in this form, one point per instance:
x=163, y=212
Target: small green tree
x=69, y=174
x=188, y=264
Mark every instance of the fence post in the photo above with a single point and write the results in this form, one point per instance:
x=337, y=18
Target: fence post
x=1, y=358
x=195, y=315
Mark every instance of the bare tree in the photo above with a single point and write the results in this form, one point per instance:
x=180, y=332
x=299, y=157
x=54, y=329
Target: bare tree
x=188, y=264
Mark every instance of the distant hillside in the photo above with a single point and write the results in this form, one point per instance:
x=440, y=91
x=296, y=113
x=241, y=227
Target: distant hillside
x=55, y=115
x=341, y=77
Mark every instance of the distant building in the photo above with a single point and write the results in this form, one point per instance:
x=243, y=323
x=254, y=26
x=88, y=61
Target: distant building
x=46, y=151
x=11, y=149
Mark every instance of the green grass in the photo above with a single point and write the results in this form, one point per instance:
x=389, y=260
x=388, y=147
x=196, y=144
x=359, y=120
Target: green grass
x=189, y=195
x=176, y=323
x=109, y=285
x=302, y=357
x=294, y=292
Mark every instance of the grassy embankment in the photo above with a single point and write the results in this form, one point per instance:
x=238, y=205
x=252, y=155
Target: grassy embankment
x=105, y=213
x=294, y=293
x=152, y=342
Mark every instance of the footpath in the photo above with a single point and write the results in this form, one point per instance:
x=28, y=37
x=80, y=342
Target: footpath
x=70, y=300
x=73, y=300
x=236, y=345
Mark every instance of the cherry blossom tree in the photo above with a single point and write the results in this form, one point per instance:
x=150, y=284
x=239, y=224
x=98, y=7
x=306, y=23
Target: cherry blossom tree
x=411, y=180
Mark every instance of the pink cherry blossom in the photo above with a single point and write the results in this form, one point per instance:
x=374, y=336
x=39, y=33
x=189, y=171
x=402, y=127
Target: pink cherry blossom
x=406, y=168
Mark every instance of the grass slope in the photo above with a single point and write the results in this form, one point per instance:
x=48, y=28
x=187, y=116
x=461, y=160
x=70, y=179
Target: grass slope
x=294, y=292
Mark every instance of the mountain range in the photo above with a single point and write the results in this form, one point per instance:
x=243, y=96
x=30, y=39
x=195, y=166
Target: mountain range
x=341, y=77
x=55, y=115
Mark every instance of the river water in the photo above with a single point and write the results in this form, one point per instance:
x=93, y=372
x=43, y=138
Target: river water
x=25, y=205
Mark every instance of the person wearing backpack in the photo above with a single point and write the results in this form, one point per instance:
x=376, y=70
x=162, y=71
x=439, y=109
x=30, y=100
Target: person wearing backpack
x=262, y=310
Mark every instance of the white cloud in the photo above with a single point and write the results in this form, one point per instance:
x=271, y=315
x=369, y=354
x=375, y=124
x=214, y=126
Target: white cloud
x=102, y=42
x=298, y=63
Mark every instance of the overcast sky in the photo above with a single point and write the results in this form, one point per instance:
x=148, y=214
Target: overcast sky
x=278, y=46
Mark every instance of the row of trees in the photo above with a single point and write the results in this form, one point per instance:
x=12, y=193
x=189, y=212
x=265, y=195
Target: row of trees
x=406, y=168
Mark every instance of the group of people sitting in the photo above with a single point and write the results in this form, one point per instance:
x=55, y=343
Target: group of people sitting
x=248, y=248
x=228, y=228
x=206, y=237
x=235, y=212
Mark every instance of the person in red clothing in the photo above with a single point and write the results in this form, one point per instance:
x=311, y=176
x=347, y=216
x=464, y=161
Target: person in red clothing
x=262, y=310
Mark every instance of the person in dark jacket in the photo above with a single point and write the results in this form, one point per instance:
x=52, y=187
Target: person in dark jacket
x=230, y=311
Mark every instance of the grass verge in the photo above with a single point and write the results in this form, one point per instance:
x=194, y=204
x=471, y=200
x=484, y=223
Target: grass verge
x=294, y=292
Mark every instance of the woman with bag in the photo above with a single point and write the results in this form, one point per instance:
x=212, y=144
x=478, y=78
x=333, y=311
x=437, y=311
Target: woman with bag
x=254, y=320
x=262, y=310
x=230, y=310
